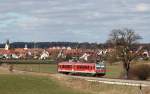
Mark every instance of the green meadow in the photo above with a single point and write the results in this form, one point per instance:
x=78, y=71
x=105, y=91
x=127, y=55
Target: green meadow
x=29, y=84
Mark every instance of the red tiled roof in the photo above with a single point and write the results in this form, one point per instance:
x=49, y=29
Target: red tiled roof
x=7, y=52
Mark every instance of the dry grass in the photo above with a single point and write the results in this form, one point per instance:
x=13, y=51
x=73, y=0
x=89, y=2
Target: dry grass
x=100, y=88
x=4, y=71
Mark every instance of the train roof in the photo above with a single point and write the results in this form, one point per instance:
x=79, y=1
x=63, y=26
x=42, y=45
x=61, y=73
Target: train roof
x=75, y=63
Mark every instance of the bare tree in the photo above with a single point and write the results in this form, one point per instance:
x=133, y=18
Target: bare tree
x=123, y=42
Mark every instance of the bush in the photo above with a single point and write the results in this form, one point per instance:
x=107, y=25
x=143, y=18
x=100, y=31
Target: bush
x=140, y=71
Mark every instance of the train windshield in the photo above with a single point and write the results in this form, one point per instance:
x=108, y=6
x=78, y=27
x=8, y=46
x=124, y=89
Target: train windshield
x=100, y=65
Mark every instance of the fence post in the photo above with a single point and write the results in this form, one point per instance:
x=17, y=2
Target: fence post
x=140, y=87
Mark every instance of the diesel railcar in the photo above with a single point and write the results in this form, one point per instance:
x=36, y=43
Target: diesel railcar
x=94, y=69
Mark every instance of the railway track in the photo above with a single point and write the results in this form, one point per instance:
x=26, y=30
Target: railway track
x=112, y=81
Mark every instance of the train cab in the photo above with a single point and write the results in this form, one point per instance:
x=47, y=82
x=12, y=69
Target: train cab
x=100, y=68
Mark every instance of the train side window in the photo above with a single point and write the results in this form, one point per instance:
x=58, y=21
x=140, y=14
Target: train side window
x=86, y=67
x=70, y=66
x=90, y=67
x=81, y=67
x=67, y=66
x=78, y=67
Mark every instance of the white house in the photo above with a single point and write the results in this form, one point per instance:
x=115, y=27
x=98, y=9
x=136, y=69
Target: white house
x=44, y=55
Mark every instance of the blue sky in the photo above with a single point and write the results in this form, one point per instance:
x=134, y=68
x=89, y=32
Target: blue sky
x=71, y=20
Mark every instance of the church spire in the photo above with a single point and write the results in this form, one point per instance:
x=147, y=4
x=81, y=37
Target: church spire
x=7, y=45
x=26, y=47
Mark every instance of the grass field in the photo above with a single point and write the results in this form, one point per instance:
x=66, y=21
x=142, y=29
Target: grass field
x=113, y=71
x=27, y=84
x=32, y=84
x=47, y=68
x=12, y=83
x=27, y=61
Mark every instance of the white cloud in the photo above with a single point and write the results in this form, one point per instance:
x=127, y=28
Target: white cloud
x=66, y=18
x=31, y=22
x=142, y=7
x=12, y=20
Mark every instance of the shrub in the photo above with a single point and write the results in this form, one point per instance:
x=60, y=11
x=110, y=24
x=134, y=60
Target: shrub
x=140, y=71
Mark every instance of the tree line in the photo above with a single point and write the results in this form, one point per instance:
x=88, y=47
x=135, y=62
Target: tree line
x=83, y=45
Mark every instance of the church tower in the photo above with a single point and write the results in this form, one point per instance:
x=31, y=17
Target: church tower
x=7, y=45
x=26, y=47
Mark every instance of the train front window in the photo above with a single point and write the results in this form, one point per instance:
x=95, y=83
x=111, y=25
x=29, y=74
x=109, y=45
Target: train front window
x=100, y=66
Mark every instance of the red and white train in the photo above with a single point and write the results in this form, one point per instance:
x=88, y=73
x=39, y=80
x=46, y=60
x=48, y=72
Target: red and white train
x=94, y=69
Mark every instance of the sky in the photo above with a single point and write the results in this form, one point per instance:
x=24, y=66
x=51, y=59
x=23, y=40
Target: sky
x=72, y=20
